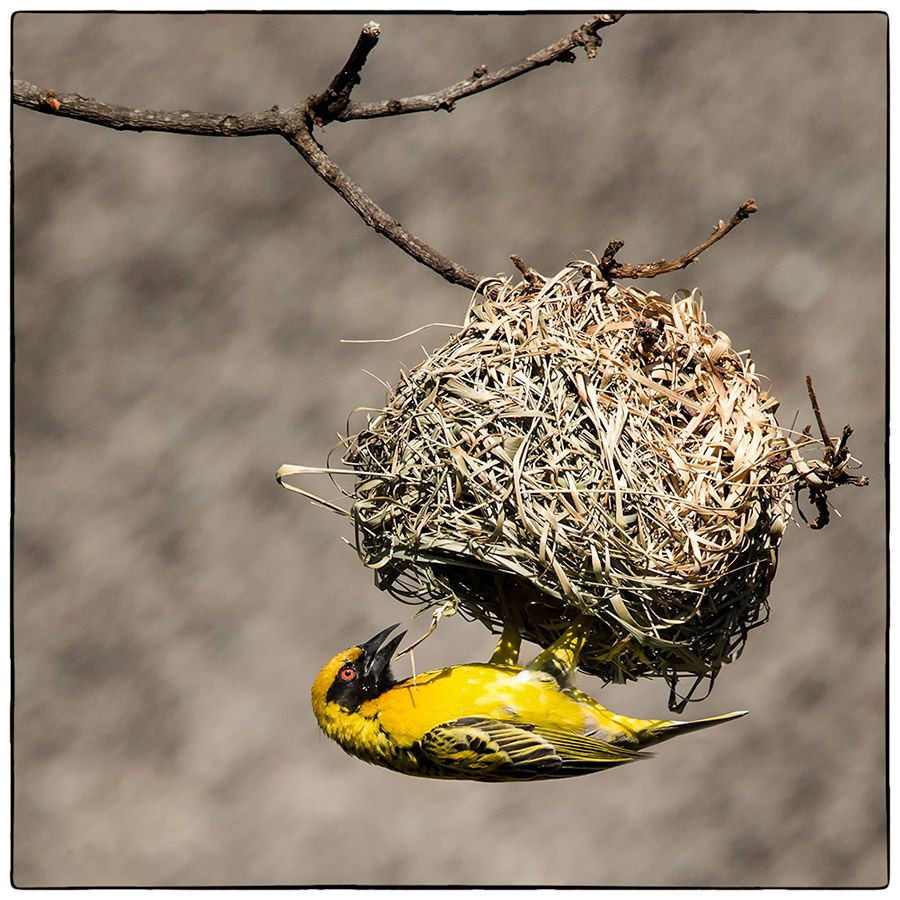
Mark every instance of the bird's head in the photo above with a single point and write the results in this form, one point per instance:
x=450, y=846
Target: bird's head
x=356, y=675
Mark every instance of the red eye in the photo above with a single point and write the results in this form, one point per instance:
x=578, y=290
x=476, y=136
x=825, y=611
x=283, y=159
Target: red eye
x=348, y=673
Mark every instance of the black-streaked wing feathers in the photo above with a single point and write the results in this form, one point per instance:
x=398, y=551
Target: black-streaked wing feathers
x=580, y=750
x=492, y=750
x=476, y=746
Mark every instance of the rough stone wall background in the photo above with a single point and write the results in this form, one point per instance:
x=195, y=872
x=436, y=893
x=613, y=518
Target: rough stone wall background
x=179, y=303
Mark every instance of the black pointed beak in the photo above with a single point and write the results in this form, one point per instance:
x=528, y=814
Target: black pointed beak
x=376, y=656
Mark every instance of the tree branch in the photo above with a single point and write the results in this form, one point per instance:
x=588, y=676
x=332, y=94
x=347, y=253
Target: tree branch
x=612, y=269
x=296, y=126
x=179, y=121
x=293, y=125
x=374, y=216
x=584, y=36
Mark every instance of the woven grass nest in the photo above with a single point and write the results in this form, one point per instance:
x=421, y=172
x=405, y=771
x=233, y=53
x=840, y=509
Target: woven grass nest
x=581, y=446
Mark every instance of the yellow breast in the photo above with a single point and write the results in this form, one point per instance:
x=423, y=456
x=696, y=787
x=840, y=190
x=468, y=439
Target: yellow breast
x=410, y=709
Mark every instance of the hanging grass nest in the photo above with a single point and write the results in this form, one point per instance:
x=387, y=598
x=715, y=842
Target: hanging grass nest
x=581, y=446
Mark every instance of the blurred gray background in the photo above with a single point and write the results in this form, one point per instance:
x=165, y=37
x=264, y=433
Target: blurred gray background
x=179, y=303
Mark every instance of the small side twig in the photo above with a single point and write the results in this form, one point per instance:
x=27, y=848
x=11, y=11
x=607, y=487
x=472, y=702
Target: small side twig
x=533, y=278
x=821, y=476
x=328, y=105
x=610, y=268
x=609, y=256
x=814, y=403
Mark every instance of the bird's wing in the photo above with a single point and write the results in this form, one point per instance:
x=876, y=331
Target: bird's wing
x=479, y=747
x=582, y=753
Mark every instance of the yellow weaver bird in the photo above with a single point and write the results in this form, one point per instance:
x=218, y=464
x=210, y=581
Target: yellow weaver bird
x=490, y=721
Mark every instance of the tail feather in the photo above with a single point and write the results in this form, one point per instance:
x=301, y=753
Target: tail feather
x=666, y=730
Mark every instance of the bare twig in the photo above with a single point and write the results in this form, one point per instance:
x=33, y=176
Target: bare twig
x=327, y=106
x=269, y=122
x=179, y=121
x=609, y=256
x=814, y=402
x=373, y=215
x=481, y=80
x=612, y=269
x=822, y=476
x=532, y=277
